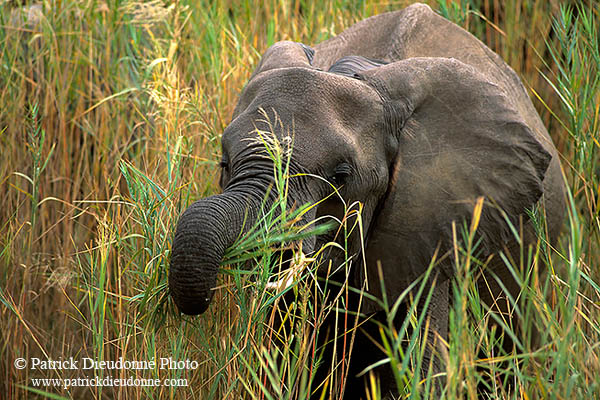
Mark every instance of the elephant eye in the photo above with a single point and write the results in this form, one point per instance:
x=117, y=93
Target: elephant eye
x=224, y=165
x=341, y=174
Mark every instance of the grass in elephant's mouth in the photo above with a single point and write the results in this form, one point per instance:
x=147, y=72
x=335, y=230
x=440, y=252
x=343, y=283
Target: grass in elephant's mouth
x=109, y=123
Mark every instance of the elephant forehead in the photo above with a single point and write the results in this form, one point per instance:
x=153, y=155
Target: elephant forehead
x=311, y=135
x=301, y=91
x=319, y=111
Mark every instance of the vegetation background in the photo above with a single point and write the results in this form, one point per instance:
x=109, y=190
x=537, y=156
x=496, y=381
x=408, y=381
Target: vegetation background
x=110, y=116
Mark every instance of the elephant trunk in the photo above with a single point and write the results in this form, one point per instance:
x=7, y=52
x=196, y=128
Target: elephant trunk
x=204, y=231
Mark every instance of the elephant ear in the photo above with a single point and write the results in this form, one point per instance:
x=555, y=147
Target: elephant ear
x=284, y=54
x=459, y=137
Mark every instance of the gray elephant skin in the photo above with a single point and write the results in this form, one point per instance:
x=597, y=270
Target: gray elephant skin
x=404, y=112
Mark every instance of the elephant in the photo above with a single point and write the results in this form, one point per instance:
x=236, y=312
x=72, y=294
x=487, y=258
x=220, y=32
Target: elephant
x=405, y=113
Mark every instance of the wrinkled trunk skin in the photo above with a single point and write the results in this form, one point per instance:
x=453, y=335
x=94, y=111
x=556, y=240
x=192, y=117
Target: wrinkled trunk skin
x=204, y=231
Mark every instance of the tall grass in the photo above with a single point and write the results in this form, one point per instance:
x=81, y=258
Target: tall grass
x=110, y=116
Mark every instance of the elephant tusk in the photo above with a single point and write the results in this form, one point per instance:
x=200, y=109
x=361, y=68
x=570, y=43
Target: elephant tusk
x=297, y=265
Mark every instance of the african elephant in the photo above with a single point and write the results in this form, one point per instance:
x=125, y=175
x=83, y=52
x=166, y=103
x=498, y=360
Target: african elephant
x=404, y=112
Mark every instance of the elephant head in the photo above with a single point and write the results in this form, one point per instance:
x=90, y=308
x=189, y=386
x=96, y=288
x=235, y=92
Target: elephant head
x=415, y=141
